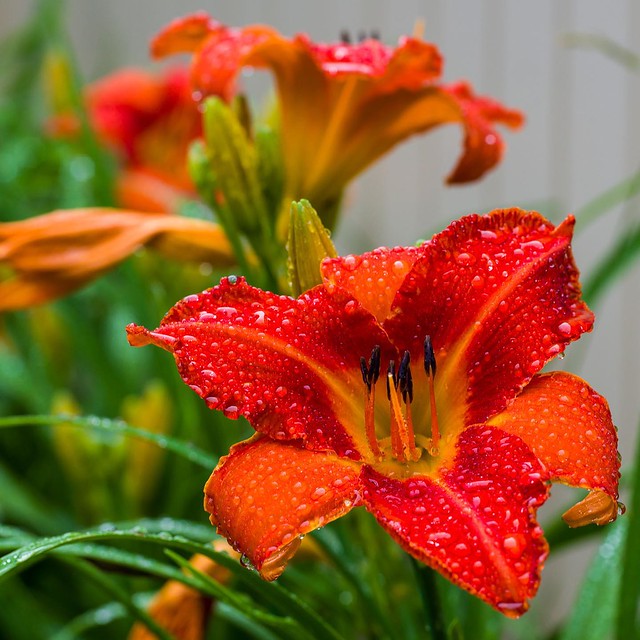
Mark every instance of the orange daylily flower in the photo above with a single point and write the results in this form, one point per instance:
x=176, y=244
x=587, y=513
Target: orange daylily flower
x=54, y=254
x=342, y=106
x=456, y=459
x=150, y=121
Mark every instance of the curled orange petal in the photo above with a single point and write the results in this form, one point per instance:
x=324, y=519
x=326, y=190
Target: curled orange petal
x=265, y=495
x=597, y=508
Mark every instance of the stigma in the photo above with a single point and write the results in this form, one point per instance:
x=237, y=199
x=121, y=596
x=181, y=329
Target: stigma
x=403, y=441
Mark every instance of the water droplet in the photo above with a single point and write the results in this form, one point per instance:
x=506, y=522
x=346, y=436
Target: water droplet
x=281, y=392
x=318, y=493
x=232, y=280
x=564, y=328
x=231, y=411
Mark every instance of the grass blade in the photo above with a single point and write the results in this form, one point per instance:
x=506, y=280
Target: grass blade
x=184, y=449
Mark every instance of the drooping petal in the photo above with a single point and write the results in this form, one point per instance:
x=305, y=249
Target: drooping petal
x=568, y=426
x=184, y=35
x=56, y=253
x=220, y=50
x=372, y=278
x=483, y=147
x=474, y=521
x=499, y=296
x=265, y=495
x=291, y=367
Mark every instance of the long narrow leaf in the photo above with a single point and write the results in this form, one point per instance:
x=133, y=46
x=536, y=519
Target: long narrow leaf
x=119, y=427
x=619, y=258
x=628, y=623
x=594, y=612
x=621, y=192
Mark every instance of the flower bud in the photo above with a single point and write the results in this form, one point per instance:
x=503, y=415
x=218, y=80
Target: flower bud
x=308, y=245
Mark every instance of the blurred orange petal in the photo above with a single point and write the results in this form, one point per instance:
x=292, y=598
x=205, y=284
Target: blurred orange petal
x=54, y=254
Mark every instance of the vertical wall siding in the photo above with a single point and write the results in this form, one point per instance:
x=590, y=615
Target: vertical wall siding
x=582, y=135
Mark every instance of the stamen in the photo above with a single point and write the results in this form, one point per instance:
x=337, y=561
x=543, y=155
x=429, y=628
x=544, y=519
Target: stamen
x=405, y=380
x=345, y=37
x=370, y=376
x=430, y=369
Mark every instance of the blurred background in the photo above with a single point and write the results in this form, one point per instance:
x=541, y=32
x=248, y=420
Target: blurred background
x=559, y=62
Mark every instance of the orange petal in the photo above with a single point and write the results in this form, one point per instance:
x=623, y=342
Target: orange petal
x=264, y=496
x=53, y=254
x=181, y=610
x=184, y=35
x=568, y=426
x=597, y=508
x=372, y=278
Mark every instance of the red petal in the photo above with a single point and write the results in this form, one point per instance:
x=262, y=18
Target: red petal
x=265, y=495
x=184, y=35
x=221, y=58
x=568, y=426
x=475, y=523
x=483, y=147
x=291, y=367
x=372, y=278
x=499, y=296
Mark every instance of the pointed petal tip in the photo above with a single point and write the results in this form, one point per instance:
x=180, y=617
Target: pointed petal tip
x=140, y=337
x=597, y=508
x=273, y=567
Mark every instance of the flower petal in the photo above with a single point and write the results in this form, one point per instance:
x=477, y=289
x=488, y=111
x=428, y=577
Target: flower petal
x=474, y=522
x=185, y=35
x=568, y=426
x=499, y=296
x=483, y=147
x=372, y=278
x=265, y=495
x=291, y=367
x=56, y=253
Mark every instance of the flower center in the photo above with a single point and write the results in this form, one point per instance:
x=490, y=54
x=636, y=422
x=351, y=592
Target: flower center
x=403, y=439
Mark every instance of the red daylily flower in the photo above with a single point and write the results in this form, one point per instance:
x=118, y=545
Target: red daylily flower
x=456, y=458
x=342, y=106
x=150, y=121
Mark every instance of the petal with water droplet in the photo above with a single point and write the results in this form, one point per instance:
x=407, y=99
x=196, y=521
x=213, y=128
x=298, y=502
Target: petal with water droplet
x=265, y=495
x=568, y=426
x=497, y=553
x=495, y=336
x=292, y=370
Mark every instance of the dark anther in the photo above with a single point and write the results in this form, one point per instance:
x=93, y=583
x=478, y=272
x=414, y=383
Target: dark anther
x=429, y=357
x=404, y=377
x=375, y=34
x=362, y=35
x=365, y=372
x=374, y=365
x=345, y=37
x=371, y=373
x=391, y=370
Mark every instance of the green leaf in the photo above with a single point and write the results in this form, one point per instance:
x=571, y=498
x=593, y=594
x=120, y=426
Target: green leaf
x=619, y=258
x=628, y=621
x=273, y=594
x=606, y=46
x=621, y=192
x=184, y=449
x=594, y=612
